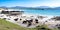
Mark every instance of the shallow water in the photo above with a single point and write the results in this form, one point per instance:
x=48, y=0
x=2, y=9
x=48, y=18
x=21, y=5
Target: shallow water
x=43, y=12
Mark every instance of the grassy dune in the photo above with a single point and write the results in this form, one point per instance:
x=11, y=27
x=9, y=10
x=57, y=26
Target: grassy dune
x=5, y=25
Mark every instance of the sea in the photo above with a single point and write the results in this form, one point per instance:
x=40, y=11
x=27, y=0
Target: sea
x=42, y=12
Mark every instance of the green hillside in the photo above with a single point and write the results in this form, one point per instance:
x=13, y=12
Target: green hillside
x=5, y=25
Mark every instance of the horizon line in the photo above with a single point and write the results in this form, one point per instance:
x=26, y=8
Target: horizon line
x=29, y=6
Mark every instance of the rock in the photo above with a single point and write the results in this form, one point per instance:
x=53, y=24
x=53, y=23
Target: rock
x=29, y=24
x=24, y=22
x=56, y=18
x=20, y=19
x=16, y=19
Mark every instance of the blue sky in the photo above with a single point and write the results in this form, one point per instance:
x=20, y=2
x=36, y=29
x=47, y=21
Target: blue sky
x=30, y=3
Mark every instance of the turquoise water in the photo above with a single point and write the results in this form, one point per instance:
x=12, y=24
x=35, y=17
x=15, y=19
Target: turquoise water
x=43, y=12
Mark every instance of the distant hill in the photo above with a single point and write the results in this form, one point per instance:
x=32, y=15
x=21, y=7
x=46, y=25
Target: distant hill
x=36, y=8
x=44, y=7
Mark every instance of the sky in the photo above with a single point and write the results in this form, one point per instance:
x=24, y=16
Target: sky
x=30, y=3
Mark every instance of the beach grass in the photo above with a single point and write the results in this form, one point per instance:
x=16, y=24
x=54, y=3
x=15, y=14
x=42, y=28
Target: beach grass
x=5, y=25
